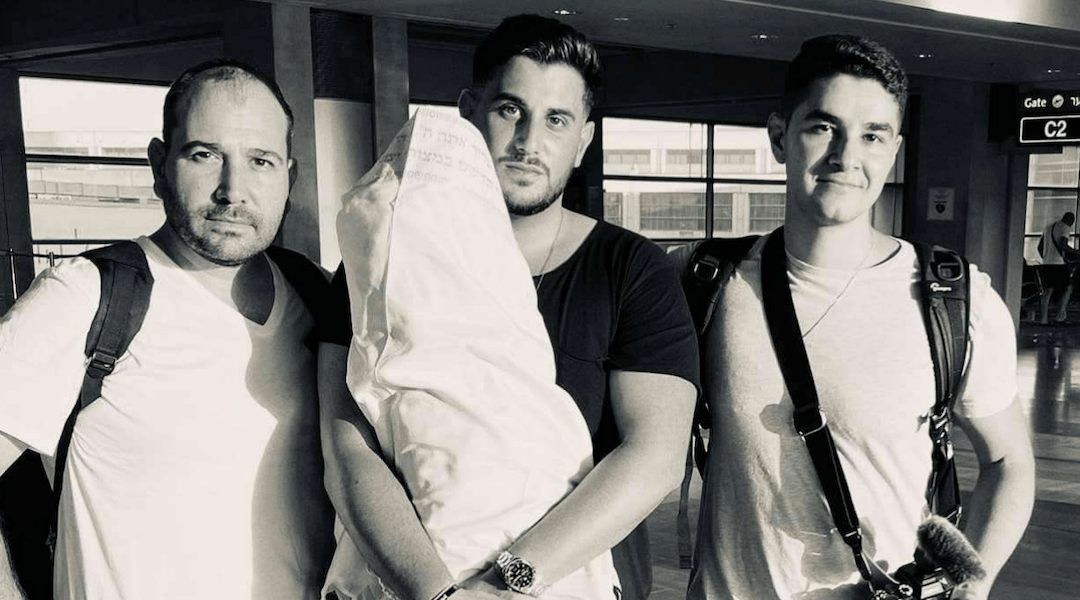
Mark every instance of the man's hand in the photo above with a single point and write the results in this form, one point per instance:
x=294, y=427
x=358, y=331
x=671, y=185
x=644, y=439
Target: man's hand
x=971, y=590
x=488, y=583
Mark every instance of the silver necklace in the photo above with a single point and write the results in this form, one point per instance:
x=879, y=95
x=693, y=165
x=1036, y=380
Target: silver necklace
x=844, y=289
x=551, y=250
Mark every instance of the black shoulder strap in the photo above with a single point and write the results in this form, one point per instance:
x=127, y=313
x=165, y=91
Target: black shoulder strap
x=799, y=380
x=309, y=281
x=711, y=264
x=946, y=287
x=126, y=284
x=945, y=297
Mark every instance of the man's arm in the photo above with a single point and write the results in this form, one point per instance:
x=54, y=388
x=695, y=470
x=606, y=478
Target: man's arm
x=653, y=413
x=10, y=450
x=1004, y=494
x=368, y=498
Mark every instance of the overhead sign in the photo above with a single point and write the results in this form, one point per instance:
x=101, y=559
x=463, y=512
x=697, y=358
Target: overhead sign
x=1049, y=117
x=1050, y=130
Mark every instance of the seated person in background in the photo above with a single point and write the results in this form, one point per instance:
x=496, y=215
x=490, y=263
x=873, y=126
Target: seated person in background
x=1058, y=267
x=197, y=473
x=624, y=344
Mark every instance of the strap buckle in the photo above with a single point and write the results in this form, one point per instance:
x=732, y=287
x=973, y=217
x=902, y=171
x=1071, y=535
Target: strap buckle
x=706, y=269
x=947, y=267
x=806, y=424
x=101, y=364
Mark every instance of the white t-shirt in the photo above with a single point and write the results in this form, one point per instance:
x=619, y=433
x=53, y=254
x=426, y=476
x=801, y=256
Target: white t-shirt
x=198, y=473
x=765, y=529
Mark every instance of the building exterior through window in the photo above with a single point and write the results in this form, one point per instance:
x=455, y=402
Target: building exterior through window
x=87, y=170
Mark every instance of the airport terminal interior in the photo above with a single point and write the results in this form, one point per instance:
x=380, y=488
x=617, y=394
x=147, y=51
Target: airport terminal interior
x=990, y=158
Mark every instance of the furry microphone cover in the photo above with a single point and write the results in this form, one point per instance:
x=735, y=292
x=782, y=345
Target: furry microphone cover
x=946, y=547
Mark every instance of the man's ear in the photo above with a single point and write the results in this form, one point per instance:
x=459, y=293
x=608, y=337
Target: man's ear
x=294, y=172
x=466, y=104
x=583, y=142
x=777, y=127
x=158, y=153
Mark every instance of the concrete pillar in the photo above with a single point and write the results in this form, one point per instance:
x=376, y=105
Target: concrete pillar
x=293, y=72
x=390, y=58
x=276, y=39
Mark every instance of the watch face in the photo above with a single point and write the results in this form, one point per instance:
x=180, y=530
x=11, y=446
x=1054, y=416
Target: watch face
x=518, y=575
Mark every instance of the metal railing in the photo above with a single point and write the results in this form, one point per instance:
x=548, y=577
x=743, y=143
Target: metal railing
x=68, y=248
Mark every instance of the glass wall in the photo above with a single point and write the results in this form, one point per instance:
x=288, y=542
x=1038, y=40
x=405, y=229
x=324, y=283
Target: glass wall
x=674, y=180
x=87, y=171
x=671, y=180
x=1053, y=182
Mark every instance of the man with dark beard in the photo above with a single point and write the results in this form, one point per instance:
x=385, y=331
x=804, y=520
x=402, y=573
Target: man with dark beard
x=624, y=344
x=197, y=473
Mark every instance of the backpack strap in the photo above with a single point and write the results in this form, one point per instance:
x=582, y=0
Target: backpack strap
x=126, y=283
x=712, y=263
x=309, y=281
x=946, y=311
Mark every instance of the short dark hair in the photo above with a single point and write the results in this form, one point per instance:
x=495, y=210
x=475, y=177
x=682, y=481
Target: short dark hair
x=221, y=69
x=545, y=40
x=1068, y=218
x=830, y=55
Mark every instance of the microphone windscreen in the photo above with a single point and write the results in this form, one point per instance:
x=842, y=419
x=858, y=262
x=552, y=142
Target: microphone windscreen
x=950, y=550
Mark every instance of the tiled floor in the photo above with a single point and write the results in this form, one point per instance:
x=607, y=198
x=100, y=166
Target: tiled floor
x=1046, y=565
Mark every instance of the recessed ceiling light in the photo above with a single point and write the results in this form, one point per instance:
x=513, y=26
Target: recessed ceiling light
x=762, y=36
x=622, y=18
x=565, y=12
x=926, y=55
x=1053, y=71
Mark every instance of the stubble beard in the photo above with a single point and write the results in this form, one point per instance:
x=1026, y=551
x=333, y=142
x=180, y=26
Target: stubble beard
x=526, y=209
x=224, y=250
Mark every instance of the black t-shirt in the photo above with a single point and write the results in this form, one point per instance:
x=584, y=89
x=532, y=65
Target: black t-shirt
x=615, y=304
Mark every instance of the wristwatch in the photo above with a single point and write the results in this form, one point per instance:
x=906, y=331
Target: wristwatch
x=518, y=574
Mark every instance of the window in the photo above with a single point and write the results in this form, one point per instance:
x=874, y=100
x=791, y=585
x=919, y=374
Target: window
x=628, y=161
x=766, y=210
x=88, y=176
x=658, y=181
x=1053, y=190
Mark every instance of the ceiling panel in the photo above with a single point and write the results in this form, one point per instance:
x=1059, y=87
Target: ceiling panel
x=1043, y=48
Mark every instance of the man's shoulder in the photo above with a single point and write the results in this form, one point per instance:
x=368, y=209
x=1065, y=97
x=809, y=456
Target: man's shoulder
x=76, y=275
x=618, y=245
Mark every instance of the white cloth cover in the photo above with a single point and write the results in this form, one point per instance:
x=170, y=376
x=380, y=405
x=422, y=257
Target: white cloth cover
x=452, y=365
